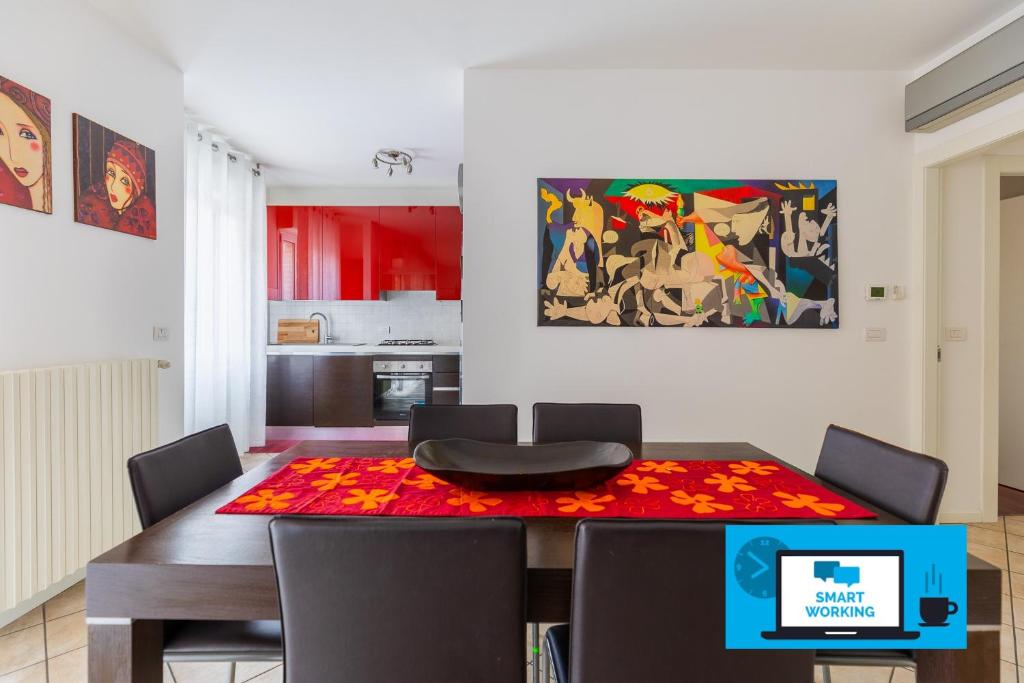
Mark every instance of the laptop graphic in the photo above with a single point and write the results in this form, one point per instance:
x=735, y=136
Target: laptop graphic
x=839, y=595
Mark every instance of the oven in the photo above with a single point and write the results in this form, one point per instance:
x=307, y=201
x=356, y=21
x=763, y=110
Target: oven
x=398, y=385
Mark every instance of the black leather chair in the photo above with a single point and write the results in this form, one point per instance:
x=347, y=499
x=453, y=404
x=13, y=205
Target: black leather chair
x=615, y=422
x=904, y=483
x=167, y=479
x=496, y=423
x=384, y=600
x=660, y=621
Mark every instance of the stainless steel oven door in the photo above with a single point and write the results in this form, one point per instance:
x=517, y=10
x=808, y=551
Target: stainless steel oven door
x=394, y=394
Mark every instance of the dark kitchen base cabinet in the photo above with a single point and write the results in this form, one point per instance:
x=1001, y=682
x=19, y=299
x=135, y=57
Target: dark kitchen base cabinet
x=290, y=391
x=343, y=391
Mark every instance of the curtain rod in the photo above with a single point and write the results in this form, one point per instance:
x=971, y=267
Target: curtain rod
x=233, y=158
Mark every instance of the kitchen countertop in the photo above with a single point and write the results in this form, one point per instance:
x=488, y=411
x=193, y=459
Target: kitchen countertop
x=365, y=350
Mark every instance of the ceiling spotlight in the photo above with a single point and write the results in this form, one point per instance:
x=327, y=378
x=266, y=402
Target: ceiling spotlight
x=392, y=158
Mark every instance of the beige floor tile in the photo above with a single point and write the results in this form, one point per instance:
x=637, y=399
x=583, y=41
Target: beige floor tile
x=1005, y=576
x=30, y=618
x=997, y=525
x=275, y=675
x=1015, y=525
x=200, y=672
x=1015, y=543
x=903, y=675
x=70, y=667
x=70, y=601
x=248, y=670
x=31, y=674
x=994, y=539
x=1016, y=562
x=993, y=556
x=1016, y=583
x=66, y=634
x=252, y=460
x=1006, y=646
x=21, y=648
x=1007, y=609
x=1007, y=672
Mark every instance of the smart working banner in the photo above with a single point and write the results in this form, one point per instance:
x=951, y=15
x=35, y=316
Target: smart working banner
x=846, y=587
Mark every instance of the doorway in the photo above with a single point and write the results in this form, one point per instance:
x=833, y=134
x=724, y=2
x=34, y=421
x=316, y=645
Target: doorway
x=1011, y=345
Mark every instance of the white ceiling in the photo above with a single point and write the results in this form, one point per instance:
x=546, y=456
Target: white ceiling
x=312, y=88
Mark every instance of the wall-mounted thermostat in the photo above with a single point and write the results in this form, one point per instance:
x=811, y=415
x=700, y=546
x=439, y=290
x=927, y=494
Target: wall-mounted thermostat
x=876, y=293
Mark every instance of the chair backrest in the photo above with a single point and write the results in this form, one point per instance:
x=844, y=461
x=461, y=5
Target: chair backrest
x=168, y=478
x=383, y=600
x=495, y=423
x=904, y=483
x=615, y=422
x=662, y=620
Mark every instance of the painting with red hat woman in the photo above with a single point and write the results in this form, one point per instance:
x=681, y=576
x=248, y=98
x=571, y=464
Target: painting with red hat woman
x=26, y=169
x=114, y=181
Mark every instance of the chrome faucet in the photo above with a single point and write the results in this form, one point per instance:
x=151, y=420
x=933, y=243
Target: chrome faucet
x=327, y=338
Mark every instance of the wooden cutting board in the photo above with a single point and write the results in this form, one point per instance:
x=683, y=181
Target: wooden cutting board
x=298, y=331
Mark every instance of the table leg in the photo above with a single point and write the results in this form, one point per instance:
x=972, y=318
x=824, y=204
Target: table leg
x=125, y=650
x=535, y=647
x=978, y=663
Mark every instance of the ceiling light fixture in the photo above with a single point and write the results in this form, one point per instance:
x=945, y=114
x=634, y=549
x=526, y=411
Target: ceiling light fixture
x=392, y=158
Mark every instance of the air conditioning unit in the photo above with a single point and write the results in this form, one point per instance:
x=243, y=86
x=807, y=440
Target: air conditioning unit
x=985, y=73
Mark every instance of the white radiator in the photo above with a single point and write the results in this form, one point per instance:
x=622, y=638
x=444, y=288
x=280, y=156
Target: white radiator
x=65, y=435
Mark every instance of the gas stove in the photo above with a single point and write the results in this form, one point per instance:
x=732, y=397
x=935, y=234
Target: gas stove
x=407, y=342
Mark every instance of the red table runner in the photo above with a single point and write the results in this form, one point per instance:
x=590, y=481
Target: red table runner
x=683, y=489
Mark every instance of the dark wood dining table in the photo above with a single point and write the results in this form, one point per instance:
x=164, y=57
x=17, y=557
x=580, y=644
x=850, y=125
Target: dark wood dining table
x=197, y=564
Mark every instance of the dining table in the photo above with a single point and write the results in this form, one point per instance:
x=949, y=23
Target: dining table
x=200, y=565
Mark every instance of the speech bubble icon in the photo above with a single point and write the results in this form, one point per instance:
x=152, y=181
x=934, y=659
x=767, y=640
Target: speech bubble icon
x=825, y=569
x=847, y=575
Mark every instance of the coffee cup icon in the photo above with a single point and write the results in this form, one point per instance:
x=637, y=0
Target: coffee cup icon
x=935, y=611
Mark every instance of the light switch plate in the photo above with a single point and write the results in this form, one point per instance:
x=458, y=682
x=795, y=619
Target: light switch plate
x=161, y=334
x=874, y=334
x=956, y=334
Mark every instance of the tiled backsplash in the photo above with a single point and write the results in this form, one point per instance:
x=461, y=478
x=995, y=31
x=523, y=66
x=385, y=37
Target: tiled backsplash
x=405, y=315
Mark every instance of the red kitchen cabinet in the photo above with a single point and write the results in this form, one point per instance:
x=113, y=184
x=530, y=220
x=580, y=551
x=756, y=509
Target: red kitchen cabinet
x=448, y=252
x=294, y=246
x=351, y=264
x=273, y=255
x=407, y=258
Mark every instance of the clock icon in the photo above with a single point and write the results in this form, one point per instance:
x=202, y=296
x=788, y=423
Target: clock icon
x=754, y=567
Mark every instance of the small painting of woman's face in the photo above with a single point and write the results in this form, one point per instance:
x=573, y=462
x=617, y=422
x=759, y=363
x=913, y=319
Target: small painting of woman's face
x=21, y=143
x=120, y=188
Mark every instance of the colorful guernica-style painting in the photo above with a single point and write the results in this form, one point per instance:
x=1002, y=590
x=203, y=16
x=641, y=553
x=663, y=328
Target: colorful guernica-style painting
x=675, y=253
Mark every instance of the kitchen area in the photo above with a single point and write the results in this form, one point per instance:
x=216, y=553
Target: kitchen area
x=364, y=317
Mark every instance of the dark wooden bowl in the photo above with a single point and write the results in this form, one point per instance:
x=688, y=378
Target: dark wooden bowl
x=483, y=466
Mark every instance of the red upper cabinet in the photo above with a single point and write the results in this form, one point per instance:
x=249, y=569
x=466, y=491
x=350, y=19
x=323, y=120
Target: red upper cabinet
x=448, y=250
x=294, y=245
x=407, y=259
x=351, y=264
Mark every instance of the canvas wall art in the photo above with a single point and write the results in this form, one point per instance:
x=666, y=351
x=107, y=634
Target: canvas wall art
x=26, y=174
x=115, y=180
x=687, y=253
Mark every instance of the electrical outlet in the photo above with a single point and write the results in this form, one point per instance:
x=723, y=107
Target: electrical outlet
x=874, y=334
x=161, y=334
x=956, y=334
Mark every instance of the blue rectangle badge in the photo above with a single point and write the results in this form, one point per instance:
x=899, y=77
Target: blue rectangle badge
x=795, y=586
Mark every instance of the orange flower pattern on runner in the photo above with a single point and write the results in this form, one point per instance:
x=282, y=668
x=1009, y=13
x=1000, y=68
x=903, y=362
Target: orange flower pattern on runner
x=425, y=482
x=370, y=500
x=806, y=500
x=392, y=466
x=265, y=498
x=751, y=467
x=311, y=466
x=665, y=489
x=727, y=484
x=333, y=480
x=583, y=500
x=663, y=467
x=474, y=499
x=641, y=484
x=701, y=502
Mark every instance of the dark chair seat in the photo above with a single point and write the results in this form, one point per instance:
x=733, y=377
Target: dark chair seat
x=205, y=641
x=858, y=657
x=557, y=640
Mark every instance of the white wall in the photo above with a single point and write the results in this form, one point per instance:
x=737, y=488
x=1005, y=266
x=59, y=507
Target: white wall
x=1011, y=343
x=365, y=196
x=777, y=388
x=71, y=292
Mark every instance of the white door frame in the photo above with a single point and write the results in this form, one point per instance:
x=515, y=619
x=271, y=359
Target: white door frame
x=926, y=244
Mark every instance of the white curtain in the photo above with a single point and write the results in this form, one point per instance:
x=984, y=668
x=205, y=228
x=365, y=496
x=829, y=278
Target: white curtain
x=225, y=290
